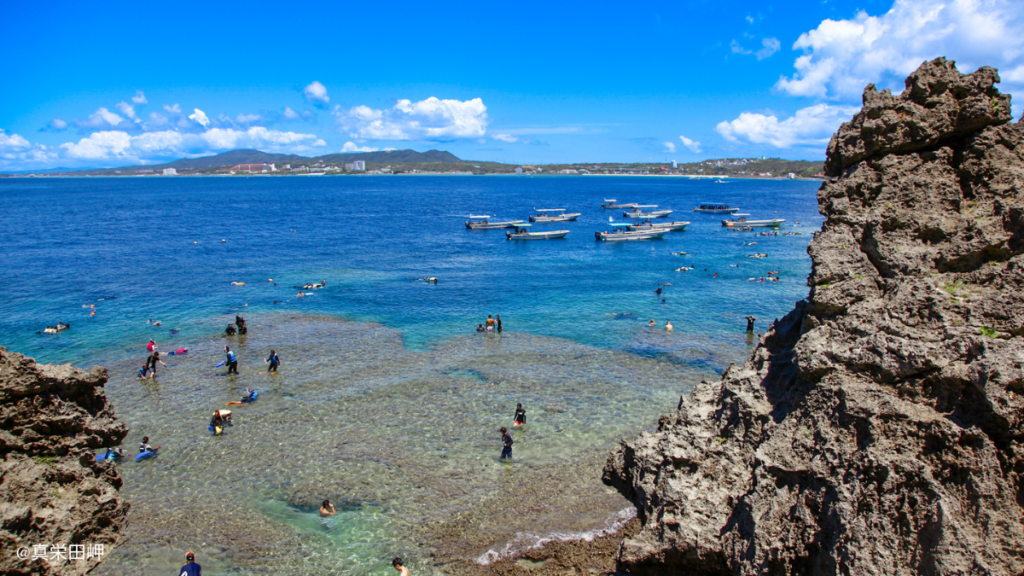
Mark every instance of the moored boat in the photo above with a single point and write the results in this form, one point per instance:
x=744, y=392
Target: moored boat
x=553, y=215
x=713, y=208
x=624, y=235
x=744, y=223
x=613, y=203
x=523, y=233
x=637, y=213
x=667, y=226
x=483, y=223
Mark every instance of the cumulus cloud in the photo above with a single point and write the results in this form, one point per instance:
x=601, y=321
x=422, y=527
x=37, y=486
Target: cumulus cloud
x=139, y=98
x=119, y=145
x=101, y=118
x=813, y=126
x=173, y=109
x=505, y=137
x=248, y=118
x=842, y=56
x=670, y=147
x=430, y=119
x=692, y=145
x=126, y=109
x=289, y=114
x=12, y=142
x=316, y=94
x=200, y=117
x=353, y=147
x=55, y=125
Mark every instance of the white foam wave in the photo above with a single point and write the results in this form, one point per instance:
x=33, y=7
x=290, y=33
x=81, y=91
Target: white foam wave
x=524, y=541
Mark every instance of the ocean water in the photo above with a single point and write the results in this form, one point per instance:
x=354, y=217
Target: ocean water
x=388, y=401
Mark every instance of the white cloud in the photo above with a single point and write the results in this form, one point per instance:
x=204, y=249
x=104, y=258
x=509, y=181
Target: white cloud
x=139, y=98
x=101, y=118
x=126, y=109
x=769, y=46
x=692, y=145
x=809, y=126
x=390, y=149
x=316, y=94
x=11, y=142
x=105, y=144
x=248, y=118
x=290, y=114
x=505, y=137
x=174, y=109
x=56, y=125
x=352, y=147
x=427, y=119
x=119, y=145
x=670, y=147
x=842, y=56
x=200, y=117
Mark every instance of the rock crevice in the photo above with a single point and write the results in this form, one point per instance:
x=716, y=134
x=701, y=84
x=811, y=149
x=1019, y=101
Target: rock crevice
x=878, y=427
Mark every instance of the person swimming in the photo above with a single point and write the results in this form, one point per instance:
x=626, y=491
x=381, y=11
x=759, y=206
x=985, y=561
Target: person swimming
x=327, y=509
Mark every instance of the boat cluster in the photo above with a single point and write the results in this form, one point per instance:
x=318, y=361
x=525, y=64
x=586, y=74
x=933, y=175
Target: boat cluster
x=647, y=225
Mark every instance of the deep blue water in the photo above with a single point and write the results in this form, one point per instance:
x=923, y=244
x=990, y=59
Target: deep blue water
x=156, y=244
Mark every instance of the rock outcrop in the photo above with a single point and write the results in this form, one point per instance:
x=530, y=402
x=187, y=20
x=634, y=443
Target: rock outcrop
x=60, y=507
x=878, y=427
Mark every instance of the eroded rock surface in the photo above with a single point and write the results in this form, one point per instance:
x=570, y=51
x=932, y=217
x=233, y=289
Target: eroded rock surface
x=877, y=428
x=55, y=494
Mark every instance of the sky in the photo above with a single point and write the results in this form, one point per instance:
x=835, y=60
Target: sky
x=118, y=84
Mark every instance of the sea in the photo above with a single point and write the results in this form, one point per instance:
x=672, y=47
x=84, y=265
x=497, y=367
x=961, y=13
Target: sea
x=388, y=401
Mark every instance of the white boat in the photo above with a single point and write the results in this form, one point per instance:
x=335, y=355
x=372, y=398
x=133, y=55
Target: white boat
x=553, y=215
x=483, y=223
x=711, y=208
x=624, y=235
x=652, y=214
x=667, y=226
x=613, y=203
x=744, y=223
x=522, y=233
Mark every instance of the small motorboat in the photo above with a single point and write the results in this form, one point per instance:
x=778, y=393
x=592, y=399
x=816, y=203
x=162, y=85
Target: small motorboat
x=484, y=223
x=623, y=235
x=553, y=215
x=613, y=203
x=523, y=233
x=638, y=213
x=714, y=208
x=667, y=226
x=744, y=223
x=60, y=327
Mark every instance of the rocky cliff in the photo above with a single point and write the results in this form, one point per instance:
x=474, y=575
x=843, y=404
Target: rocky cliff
x=60, y=507
x=877, y=428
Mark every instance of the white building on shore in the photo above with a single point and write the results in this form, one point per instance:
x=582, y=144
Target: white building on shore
x=170, y=172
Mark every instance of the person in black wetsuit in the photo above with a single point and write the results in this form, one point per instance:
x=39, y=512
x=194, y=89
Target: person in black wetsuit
x=506, y=443
x=498, y=320
x=151, y=363
x=240, y=322
x=230, y=331
x=520, y=418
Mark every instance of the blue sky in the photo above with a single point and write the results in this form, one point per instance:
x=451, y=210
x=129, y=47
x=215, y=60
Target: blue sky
x=124, y=83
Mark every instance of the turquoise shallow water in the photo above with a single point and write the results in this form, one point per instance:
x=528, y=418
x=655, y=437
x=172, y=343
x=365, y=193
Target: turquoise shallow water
x=388, y=402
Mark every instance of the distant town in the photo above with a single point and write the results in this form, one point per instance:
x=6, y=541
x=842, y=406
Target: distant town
x=254, y=162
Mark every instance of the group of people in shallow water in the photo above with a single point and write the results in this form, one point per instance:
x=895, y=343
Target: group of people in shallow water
x=492, y=324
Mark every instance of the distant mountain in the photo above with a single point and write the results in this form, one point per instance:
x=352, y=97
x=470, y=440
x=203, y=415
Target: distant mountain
x=396, y=156
x=234, y=157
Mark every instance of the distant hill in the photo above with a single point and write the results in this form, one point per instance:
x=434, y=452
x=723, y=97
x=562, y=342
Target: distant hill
x=235, y=157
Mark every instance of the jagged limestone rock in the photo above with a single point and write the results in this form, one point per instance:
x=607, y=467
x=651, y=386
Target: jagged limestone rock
x=55, y=493
x=879, y=427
